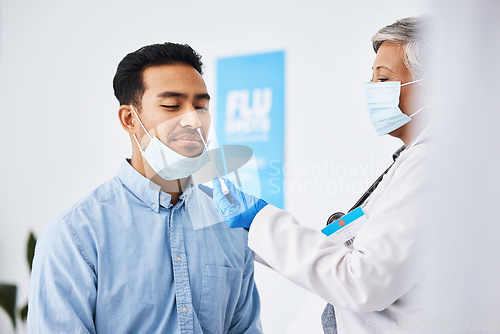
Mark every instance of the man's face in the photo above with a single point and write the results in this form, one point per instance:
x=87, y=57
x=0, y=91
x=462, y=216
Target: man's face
x=174, y=105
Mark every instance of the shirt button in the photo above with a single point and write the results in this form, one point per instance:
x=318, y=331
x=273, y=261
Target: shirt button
x=178, y=258
x=162, y=197
x=153, y=206
x=184, y=309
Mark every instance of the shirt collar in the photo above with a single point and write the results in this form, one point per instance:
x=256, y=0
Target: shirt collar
x=146, y=190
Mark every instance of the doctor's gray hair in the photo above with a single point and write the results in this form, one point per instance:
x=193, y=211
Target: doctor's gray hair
x=412, y=34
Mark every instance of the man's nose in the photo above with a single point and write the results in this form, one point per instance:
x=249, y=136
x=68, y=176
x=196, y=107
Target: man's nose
x=190, y=119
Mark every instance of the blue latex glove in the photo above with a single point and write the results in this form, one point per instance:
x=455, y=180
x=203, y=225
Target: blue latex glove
x=237, y=208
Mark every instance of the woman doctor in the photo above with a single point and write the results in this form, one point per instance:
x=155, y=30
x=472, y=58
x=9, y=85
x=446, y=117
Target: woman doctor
x=372, y=283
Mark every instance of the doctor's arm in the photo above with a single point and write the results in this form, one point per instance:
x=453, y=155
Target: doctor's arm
x=381, y=267
x=63, y=284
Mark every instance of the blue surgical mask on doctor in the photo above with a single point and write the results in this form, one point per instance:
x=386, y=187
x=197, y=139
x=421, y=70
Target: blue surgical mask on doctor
x=382, y=102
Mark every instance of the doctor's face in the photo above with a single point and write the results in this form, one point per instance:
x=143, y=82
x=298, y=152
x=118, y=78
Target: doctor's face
x=174, y=105
x=389, y=66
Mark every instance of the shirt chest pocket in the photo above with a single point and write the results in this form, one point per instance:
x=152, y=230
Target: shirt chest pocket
x=220, y=290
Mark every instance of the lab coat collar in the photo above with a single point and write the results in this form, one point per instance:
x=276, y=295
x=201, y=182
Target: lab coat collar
x=422, y=137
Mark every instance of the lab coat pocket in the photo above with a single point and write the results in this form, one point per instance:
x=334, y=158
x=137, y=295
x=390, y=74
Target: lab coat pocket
x=220, y=290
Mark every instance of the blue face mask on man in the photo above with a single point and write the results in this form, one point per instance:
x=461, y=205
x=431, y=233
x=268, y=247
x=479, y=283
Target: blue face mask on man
x=382, y=102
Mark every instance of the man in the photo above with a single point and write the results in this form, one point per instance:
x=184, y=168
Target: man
x=144, y=253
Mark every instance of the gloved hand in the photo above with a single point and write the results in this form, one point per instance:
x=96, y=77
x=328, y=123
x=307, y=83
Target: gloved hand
x=237, y=208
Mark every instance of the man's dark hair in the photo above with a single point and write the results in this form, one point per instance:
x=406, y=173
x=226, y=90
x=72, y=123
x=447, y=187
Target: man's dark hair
x=128, y=83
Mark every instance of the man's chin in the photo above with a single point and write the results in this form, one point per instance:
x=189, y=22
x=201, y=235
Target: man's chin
x=189, y=152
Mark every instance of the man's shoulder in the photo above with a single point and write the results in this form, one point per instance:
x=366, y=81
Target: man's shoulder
x=77, y=228
x=89, y=208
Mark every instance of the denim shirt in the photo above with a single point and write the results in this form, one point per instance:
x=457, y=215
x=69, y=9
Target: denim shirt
x=125, y=260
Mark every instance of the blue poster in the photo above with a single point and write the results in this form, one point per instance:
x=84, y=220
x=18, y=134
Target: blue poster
x=251, y=107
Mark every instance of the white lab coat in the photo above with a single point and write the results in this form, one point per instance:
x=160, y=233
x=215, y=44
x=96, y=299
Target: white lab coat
x=373, y=284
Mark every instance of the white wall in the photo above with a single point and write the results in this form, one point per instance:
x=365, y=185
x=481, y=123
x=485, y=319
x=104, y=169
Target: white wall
x=464, y=223
x=60, y=136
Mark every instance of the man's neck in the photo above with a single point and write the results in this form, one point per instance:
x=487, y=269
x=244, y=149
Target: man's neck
x=175, y=187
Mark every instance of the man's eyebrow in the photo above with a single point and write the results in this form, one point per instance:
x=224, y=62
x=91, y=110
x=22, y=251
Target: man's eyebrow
x=203, y=96
x=171, y=94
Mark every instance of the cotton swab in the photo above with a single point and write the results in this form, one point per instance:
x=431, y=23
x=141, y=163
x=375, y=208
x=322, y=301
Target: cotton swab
x=225, y=190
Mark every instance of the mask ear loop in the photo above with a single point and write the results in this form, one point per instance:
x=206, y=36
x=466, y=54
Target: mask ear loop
x=139, y=145
x=140, y=122
x=416, y=112
x=412, y=82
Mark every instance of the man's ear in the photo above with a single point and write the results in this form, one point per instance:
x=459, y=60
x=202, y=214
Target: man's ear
x=127, y=119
